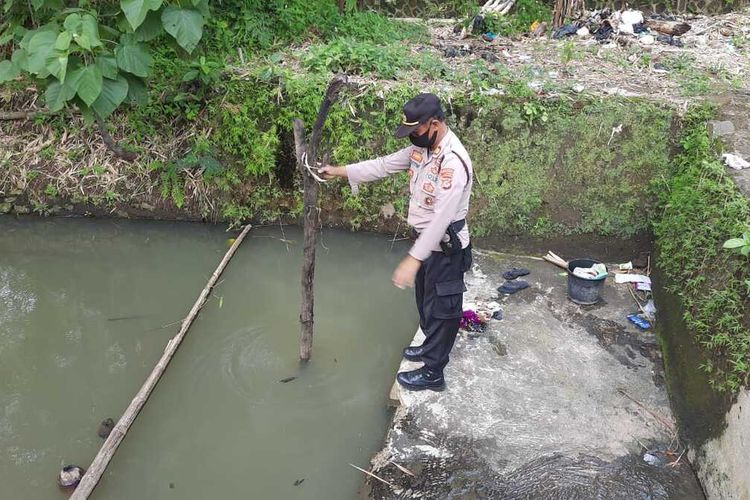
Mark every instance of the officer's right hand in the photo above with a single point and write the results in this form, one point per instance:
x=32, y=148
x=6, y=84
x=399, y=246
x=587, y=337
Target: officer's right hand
x=329, y=172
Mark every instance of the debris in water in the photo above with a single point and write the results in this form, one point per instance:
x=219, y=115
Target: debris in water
x=287, y=380
x=70, y=476
x=171, y=486
x=403, y=469
x=105, y=428
x=299, y=481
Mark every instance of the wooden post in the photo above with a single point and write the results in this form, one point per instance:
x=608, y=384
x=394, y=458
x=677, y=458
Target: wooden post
x=308, y=151
x=108, y=449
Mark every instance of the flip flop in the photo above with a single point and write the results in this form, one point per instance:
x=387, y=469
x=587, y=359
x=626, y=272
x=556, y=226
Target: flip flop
x=515, y=273
x=511, y=287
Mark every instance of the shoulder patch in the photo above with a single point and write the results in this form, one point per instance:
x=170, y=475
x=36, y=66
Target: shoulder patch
x=416, y=155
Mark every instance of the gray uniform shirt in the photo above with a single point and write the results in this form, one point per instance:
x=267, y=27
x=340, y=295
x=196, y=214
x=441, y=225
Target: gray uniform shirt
x=440, y=189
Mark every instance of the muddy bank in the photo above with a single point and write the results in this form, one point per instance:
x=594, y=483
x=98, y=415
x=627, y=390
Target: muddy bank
x=554, y=400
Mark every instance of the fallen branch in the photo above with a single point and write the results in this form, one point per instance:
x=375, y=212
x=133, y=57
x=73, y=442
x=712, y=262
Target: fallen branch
x=110, y=143
x=307, y=153
x=373, y=475
x=403, y=469
x=668, y=27
x=108, y=449
x=666, y=423
x=17, y=115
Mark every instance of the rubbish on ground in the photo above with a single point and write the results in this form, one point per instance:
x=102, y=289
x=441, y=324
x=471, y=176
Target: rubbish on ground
x=627, y=266
x=498, y=315
x=583, y=32
x=567, y=30
x=477, y=24
x=595, y=272
x=643, y=287
x=490, y=57
x=472, y=322
x=489, y=36
x=660, y=68
x=651, y=459
x=604, y=32
x=668, y=27
x=515, y=273
x=539, y=30
x=632, y=278
x=647, y=40
x=640, y=28
x=631, y=17
x=511, y=287
x=669, y=40
x=639, y=321
x=735, y=161
x=650, y=309
x=556, y=260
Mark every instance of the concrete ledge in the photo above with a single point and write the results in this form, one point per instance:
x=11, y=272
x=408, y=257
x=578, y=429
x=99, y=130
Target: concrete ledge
x=534, y=407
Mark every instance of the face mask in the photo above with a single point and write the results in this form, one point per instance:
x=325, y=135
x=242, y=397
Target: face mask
x=424, y=140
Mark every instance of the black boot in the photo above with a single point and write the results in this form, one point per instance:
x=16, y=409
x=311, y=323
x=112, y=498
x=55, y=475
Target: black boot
x=413, y=352
x=423, y=378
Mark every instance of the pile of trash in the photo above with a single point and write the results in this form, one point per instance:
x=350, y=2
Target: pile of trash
x=636, y=276
x=595, y=272
x=624, y=27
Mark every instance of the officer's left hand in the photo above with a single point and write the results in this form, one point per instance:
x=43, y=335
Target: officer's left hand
x=406, y=272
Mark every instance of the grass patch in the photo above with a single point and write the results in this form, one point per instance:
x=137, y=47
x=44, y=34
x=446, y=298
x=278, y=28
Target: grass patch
x=702, y=208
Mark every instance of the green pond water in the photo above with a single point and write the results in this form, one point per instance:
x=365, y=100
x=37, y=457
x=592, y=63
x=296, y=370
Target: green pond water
x=87, y=306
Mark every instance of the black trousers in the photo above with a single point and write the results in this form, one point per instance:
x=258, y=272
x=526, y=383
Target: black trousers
x=439, y=289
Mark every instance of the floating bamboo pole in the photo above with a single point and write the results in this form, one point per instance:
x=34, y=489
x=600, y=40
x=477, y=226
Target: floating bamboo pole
x=108, y=449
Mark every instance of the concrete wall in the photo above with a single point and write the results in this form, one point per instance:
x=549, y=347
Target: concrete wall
x=723, y=463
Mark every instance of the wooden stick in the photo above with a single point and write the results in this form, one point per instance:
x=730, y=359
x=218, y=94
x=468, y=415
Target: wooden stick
x=373, y=475
x=666, y=423
x=308, y=151
x=403, y=469
x=108, y=449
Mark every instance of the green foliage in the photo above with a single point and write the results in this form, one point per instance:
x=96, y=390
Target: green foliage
x=701, y=206
x=520, y=18
x=64, y=49
x=741, y=245
x=355, y=57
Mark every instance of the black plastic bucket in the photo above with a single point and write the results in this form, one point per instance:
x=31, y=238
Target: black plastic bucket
x=580, y=290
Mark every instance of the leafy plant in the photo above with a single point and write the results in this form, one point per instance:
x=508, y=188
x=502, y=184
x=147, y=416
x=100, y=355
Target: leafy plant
x=741, y=245
x=95, y=59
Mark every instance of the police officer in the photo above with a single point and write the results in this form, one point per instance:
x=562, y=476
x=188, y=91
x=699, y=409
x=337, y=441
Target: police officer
x=440, y=179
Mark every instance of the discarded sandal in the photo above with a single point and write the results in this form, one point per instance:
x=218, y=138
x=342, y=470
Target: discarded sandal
x=511, y=287
x=515, y=273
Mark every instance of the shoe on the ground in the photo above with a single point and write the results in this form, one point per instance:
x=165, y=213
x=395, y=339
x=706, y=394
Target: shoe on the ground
x=516, y=272
x=422, y=378
x=413, y=352
x=511, y=287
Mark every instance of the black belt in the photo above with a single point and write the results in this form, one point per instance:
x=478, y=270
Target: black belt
x=457, y=226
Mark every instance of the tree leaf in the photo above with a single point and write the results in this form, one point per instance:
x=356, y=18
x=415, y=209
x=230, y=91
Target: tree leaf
x=88, y=83
x=63, y=40
x=150, y=28
x=137, y=91
x=57, y=95
x=20, y=59
x=90, y=29
x=135, y=10
x=133, y=59
x=745, y=250
x=108, y=66
x=8, y=71
x=112, y=95
x=185, y=25
x=42, y=43
x=57, y=64
x=73, y=23
x=734, y=243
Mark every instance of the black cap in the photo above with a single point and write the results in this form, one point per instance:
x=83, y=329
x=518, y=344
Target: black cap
x=417, y=111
